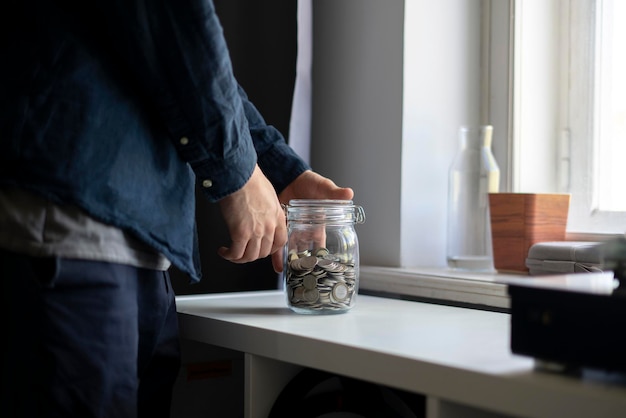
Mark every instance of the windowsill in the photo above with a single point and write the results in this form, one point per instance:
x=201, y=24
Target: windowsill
x=484, y=290
x=444, y=285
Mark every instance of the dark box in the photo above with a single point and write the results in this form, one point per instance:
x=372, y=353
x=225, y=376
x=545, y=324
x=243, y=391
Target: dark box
x=574, y=326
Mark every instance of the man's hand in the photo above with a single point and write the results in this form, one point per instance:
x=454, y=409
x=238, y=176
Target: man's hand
x=310, y=185
x=255, y=221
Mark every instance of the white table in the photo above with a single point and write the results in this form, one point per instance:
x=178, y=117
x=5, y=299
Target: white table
x=458, y=358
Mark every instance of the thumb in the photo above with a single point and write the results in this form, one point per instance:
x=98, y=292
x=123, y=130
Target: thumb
x=341, y=193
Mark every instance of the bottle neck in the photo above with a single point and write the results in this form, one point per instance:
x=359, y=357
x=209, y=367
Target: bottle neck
x=475, y=138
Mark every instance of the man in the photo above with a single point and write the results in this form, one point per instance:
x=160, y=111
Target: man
x=110, y=113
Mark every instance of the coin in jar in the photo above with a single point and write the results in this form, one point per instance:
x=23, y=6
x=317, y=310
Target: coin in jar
x=308, y=263
x=339, y=292
x=309, y=281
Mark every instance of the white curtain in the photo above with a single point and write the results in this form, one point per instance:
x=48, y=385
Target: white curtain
x=300, y=123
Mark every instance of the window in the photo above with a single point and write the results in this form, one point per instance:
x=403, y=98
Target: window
x=393, y=81
x=611, y=109
x=568, y=106
x=595, y=118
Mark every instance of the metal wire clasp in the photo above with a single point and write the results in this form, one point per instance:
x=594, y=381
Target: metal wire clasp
x=359, y=214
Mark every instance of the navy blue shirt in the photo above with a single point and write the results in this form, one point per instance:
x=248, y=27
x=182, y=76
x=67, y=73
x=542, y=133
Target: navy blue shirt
x=121, y=106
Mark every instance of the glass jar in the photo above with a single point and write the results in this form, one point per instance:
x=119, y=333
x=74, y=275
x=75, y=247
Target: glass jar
x=474, y=174
x=321, y=270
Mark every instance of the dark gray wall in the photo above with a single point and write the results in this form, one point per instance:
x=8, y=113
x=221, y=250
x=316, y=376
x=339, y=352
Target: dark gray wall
x=262, y=39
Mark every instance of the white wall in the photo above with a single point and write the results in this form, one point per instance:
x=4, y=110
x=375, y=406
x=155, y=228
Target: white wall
x=386, y=145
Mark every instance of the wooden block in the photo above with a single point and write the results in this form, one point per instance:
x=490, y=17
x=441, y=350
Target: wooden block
x=519, y=220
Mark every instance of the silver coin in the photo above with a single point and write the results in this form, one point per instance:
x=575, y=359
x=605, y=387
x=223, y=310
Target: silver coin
x=311, y=295
x=325, y=298
x=308, y=263
x=295, y=264
x=292, y=255
x=321, y=252
x=340, y=292
x=304, y=253
x=309, y=281
x=325, y=263
x=298, y=293
x=331, y=257
x=319, y=273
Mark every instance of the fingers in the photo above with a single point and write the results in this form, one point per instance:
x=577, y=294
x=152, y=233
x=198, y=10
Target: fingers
x=311, y=185
x=327, y=189
x=341, y=193
x=255, y=220
x=256, y=247
x=277, y=260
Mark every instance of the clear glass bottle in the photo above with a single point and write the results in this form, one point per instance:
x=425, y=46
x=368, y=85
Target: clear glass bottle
x=473, y=174
x=321, y=271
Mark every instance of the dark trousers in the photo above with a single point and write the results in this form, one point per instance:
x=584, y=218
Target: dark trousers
x=86, y=339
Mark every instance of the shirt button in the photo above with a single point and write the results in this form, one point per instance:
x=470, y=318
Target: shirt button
x=207, y=183
x=184, y=140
